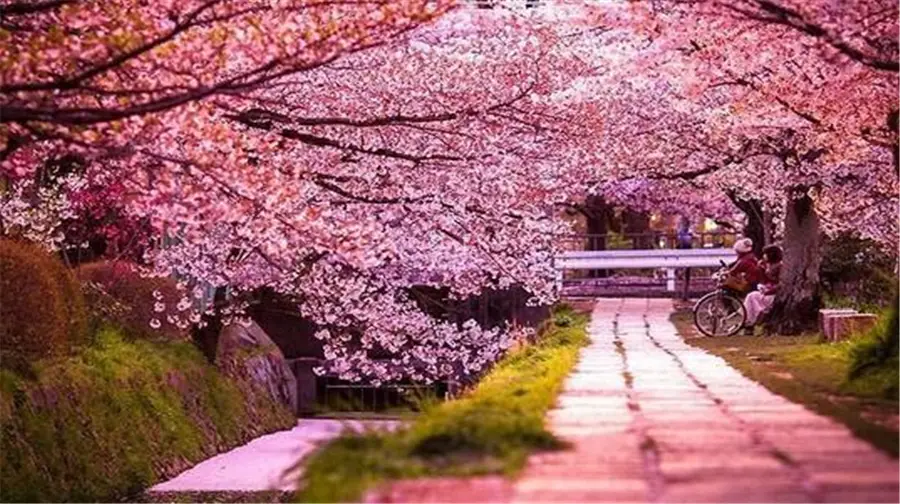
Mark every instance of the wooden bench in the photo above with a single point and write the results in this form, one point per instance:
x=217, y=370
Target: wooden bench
x=668, y=259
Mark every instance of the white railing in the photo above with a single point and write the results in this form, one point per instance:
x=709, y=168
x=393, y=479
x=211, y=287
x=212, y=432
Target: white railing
x=668, y=259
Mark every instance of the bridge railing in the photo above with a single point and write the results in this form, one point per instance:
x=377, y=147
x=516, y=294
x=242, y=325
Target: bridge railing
x=641, y=263
x=643, y=259
x=644, y=241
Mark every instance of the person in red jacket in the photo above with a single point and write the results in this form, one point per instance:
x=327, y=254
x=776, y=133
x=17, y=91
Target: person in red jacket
x=760, y=301
x=745, y=270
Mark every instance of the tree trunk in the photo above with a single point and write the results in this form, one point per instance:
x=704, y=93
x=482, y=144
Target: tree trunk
x=768, y=227
x=596, y=213
x=893, y=124
x=637, y=224
x=207, y=337
x=755, y=227
x=798, y=300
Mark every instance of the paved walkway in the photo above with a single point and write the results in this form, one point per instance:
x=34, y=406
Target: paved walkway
x=266, y=463
x=651, y=418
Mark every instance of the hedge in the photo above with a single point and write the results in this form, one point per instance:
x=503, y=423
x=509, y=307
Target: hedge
x=42, y=311
x=119, y=295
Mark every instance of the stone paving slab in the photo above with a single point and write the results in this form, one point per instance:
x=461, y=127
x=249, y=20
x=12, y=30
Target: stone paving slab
x=549, y=489
x=652, y=419
x=735, y=490
x=457, y=490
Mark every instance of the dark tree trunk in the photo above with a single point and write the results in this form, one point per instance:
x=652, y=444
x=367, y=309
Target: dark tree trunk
x=207, y=337
x=798, y=300
x=893, y=124
x=596, y=213
x=768, y=227
x=755, y=227
x=637, y=224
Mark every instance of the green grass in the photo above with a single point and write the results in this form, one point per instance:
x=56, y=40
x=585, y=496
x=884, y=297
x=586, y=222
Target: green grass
x=817, y=375
x=190, y=497
x=490, y=429
x=832, y=301
x=107, y=423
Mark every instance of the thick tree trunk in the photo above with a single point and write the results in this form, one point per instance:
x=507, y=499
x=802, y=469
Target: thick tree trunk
x=596, y=213
x=798, y=300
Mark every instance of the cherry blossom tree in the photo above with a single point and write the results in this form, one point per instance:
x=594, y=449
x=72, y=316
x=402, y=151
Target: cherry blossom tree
x=338, y=176
x=344, y=152
x=442, y=180
x=96, y=81
x=782, y=105
x=75, y=64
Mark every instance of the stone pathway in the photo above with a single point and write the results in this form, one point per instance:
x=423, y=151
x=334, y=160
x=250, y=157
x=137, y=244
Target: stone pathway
x=266, y=463
x=652, y=419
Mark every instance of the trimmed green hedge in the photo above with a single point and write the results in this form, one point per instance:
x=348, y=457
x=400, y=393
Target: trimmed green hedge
x=492, y=429
x=118, y=417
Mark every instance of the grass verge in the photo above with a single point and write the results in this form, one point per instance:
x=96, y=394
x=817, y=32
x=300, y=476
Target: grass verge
x=814, y=374
x=224, y=496
x=491, y=429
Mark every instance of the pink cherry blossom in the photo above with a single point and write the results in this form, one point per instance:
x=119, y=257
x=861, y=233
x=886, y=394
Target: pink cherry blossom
x=341, y=153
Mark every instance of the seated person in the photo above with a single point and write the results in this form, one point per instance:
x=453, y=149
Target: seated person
x=744, y=274
x=759, y=301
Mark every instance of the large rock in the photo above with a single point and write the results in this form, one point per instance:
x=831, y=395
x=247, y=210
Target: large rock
x=247, y=352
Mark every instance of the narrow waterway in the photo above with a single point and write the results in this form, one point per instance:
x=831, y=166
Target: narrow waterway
x=266, y=463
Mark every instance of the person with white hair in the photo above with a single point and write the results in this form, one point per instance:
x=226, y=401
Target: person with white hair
x=744, y=274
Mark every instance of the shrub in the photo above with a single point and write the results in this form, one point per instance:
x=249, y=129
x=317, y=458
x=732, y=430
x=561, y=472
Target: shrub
x=42, y=311
x=562, y=307
x=874, y=356
x=145, y=308
x=74, y=303
x=563, y=319
x=856, y=272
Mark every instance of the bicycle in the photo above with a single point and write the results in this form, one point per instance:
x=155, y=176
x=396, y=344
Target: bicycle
x=720, y=312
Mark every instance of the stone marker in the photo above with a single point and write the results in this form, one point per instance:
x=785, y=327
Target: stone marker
x=824, y=330
x=842, y=325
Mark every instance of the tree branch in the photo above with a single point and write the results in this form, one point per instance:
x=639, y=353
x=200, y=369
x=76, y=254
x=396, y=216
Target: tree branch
x=771, y=12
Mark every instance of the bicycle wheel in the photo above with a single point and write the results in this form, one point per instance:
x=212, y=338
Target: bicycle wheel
x=719, y=314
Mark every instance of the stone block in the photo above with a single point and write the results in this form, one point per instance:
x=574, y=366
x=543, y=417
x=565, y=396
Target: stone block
x=841, y=326
x=824, y=315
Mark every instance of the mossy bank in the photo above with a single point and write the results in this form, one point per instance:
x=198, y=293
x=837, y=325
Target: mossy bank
x=119, y=416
